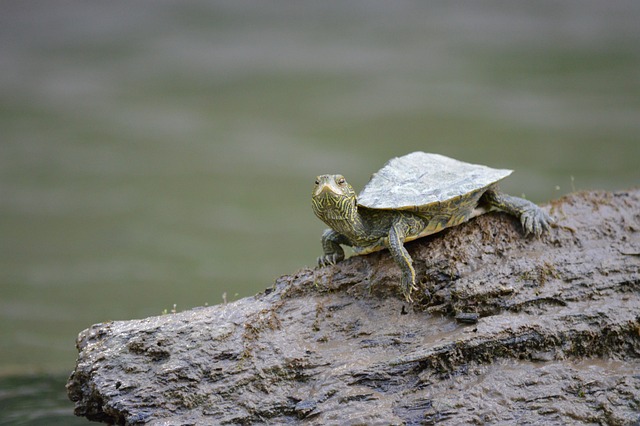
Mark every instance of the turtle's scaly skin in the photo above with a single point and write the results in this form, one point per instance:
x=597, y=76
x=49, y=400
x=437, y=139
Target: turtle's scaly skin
x=370, y=229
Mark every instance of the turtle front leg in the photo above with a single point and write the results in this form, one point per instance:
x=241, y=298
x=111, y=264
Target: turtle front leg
x=333, y=252
x=534, y=220
x=402, y=259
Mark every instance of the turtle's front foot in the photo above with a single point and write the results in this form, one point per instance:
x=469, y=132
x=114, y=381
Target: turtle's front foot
x=535, y=221
x=330, y=259
x=333, y=253
x=408, y=285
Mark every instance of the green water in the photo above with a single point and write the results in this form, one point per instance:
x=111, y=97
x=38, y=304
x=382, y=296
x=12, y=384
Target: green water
x=35, y=400
x=162, y=153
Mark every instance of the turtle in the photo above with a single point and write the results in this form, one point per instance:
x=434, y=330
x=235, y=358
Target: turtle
x=410, y=197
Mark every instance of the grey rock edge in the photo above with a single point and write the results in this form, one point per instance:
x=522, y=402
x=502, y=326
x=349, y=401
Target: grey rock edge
x=556, y=341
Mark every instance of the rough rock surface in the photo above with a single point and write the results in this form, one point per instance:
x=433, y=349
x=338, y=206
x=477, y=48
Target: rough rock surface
x=548, y=332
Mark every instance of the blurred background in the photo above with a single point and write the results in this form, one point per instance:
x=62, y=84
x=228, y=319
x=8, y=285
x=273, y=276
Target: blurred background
x=162, y=153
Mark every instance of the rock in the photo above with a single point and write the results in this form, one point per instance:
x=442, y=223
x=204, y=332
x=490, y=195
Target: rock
x=552, y=336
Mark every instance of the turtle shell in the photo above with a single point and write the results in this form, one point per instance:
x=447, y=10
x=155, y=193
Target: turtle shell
x=420, y=179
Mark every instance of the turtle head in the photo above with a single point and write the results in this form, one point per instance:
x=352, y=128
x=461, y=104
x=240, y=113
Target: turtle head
x=333, y=199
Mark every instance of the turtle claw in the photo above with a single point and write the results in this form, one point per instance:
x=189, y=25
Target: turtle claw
x=535, y=221
x=329, y=259
x=407, y=287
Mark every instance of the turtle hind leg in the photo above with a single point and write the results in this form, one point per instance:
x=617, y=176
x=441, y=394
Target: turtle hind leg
x=534, y=220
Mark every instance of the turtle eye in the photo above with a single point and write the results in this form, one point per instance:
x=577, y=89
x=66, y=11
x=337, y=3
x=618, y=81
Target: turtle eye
x=341, y=181
x=317, y=181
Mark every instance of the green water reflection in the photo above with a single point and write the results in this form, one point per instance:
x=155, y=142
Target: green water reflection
x=153, y=156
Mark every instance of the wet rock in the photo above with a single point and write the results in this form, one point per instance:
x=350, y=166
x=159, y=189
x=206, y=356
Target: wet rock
x=548, y=333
